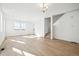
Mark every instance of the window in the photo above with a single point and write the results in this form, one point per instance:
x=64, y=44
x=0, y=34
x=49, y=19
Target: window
x=20, y=25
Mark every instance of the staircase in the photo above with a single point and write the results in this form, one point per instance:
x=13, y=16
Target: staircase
x=47, y=36
x=55, y=19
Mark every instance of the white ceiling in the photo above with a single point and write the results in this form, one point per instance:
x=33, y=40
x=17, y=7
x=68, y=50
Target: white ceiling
x=57, y=8
x=33, y=8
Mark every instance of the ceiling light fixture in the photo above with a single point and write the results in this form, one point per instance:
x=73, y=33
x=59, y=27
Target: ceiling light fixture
x=44, y=7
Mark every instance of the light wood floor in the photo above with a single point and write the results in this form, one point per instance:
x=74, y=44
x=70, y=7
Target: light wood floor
x=22, y=45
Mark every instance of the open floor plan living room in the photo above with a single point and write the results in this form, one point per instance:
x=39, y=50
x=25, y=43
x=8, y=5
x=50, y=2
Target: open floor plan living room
x=39, y=29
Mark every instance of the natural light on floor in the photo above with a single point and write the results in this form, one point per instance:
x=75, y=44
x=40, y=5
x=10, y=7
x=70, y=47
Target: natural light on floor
x=22, y=52
x=18, y=41
x=30, y=36
x=17, y=50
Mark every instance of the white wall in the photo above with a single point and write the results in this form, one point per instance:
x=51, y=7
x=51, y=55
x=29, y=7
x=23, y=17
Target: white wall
x=2, y=29
x=67, y=27
x=12, y=15
x=11, y=31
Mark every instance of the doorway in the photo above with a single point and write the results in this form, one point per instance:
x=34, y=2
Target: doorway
x=47, y=27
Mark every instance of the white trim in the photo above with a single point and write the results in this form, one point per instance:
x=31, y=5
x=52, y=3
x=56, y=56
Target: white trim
x=1, y=24
x=51, y=28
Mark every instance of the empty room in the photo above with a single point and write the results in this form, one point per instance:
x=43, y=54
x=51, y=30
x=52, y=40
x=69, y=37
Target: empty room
x=39, y=29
